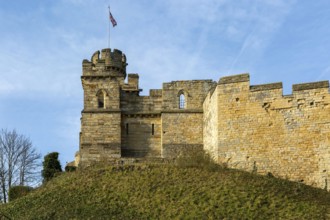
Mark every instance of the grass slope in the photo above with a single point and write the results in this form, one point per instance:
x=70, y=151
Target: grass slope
x=148, y=191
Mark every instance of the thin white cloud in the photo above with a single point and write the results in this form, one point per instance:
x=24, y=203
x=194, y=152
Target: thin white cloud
x=42, y=49
x=267, y=17
x=325, y=75
x=248, y=42
x=7, y=87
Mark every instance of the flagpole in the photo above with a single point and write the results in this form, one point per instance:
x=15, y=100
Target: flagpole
x=109, y=29
x=113, y=22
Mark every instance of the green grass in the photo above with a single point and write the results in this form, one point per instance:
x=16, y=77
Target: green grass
x=166, y=191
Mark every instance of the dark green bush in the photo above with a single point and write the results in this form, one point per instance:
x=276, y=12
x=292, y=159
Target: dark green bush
x=198, y=159
x=51, y=166
x=70, y=168
x=16, y=192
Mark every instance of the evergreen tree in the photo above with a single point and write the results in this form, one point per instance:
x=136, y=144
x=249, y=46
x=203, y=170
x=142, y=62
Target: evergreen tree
x=51, y=166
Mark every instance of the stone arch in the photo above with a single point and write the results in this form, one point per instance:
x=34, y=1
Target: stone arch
x=101, y=98
x=182, y=99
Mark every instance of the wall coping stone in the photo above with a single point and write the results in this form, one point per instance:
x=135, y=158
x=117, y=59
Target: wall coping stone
x=101, y=111
x=313, y=85
x=183, y=111
x=234, y=78
x=141, y=113
x=268, y=86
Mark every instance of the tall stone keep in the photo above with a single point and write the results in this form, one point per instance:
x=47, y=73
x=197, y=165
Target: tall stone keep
x=101, y=79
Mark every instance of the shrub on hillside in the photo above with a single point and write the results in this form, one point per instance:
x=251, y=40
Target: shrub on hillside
x=197, y=159
x=16, y=192
x=51, y=166
x=70, y=168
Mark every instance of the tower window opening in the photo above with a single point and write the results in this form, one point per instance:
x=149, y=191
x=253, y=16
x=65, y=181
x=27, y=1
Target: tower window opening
x=127, y=128
x=100, y=99
x=152, y=129
x=182, y=102
x=100, y=104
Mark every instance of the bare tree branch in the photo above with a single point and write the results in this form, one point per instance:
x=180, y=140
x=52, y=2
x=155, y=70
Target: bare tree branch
x=19, y=161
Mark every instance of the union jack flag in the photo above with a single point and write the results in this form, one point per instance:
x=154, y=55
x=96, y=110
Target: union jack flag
x=113, y=21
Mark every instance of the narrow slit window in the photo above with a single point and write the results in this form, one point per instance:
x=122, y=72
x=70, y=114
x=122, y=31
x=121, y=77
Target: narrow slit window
x=100, y=100
x=127, y=128
x=152, y=129
x=182, y=101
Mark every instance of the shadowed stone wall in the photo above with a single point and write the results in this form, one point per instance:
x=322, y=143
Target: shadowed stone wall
x=141, y=135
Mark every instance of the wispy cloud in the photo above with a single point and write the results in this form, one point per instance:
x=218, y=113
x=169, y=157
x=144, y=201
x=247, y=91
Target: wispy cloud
x=325, y=75
x=263, y=21
x=7, y=87
x=44, y=42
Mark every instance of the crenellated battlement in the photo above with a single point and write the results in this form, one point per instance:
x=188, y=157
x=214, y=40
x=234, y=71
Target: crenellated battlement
x=296, y=88
x=105, y=63
x=245, y=77
x=257, y=128
x=264, y=87
x=312, y=85
x=251, y=127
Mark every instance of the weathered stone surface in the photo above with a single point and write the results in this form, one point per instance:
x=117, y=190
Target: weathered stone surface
x=254, y=128
x=194, y=92
x=314, y=85
x=235, y=78
x=264, y=131
x=263, y=87
x=181, y=131
x=141, y=135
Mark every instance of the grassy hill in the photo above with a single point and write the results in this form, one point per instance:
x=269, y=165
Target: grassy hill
x=166, y=191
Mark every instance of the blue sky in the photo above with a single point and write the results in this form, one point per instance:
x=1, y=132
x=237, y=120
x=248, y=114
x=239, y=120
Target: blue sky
x=43, y=43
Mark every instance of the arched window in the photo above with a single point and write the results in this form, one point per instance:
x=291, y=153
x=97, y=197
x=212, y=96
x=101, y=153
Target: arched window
x=182, y=101
x=100, y=99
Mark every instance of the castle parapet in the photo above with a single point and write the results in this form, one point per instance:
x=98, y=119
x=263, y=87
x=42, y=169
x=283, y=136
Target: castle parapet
x=308, y=86
x=155, y=92
x=264, y=87
x=235, y=79
x=110, y=63
x=296, y=88
x=133, y=80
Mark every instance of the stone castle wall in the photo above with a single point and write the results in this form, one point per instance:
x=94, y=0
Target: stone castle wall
x=194, y=91
x=182, y=129
x=100, y=136
x=102, y=79
x=141, y=135
x=210, y=123
x=261, y=130
x=132, y=102
x=254, y=128
x=181, y=132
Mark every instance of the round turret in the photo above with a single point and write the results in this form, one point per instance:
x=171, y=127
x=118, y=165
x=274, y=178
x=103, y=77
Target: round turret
x=111, y=63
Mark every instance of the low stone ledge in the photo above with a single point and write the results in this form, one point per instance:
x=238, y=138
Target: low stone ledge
x=101, y=111
x=234, y=79
x=184, y=111
x=151, y=113
x=167, y=85
x=269, y=86
x=313, y=85
x=94, y=75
